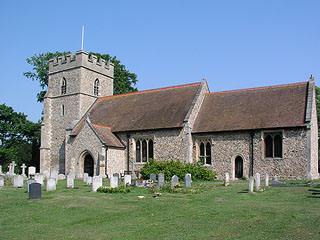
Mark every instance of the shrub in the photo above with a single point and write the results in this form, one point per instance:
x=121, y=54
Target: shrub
x=171, y=167
x=113, y=190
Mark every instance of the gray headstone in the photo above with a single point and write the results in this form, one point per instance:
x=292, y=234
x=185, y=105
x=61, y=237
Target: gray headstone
x=160, y=179
x=17, y=181
x=116, y=175
x=257, y=178
x=96, y=183
x=31, y=171
x=61, y=176
x=276, y=183
x=70, y=181
x=266, y=179
x=85, y=177
x=1, y=169
x=39, y=178
x=1, y=182
x=34, y=191
x=127, y=180
x=28, y=184
x=51, y=184
x=251, y=184
x=114, y=182
x=226, y=179
x=174, y=181
x=55, y=175
x=89, y=180
x=153, y=177
x=187, y=180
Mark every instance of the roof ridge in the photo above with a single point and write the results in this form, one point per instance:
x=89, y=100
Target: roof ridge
x=259, y=88
x=101, y=126
x=150, y=90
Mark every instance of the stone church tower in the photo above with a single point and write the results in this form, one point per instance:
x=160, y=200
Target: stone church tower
x=74, y=83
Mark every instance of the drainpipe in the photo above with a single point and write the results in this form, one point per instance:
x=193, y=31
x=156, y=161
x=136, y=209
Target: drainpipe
x=252, y=135
x=128, y=153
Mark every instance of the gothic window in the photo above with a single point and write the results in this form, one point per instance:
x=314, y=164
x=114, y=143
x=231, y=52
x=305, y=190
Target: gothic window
x=96, y=87
x=144, y=150
x=63, y=86
x=205, y=152
x=273, y=145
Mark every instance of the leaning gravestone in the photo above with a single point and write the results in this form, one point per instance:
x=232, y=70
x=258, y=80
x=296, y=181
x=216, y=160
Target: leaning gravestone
x=89, y=180
x=114, y=182
x=85, y=177
x=1, y=182
x=34, y=191
x=257, y=185
x=187, y=180
x=226, y=179
x=39, y=178
x=127, y=180
x=70, y=181
x=266, y=179
x=96, y=183
x=174, y=181
x=51, y=184
x=251, y=183
x=160, y=179
x=31, y=171
x=28, y=184
x=17, y=181
x=153, y=177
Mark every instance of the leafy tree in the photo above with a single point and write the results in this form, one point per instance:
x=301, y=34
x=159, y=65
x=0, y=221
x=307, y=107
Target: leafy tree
x=123, y=79
x=19, y=138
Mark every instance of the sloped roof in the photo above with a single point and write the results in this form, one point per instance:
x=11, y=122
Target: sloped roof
x=145, y=110
x=259, y=108
x=107, y=136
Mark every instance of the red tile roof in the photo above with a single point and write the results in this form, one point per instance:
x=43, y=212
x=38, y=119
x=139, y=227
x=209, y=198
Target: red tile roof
x=107, y=136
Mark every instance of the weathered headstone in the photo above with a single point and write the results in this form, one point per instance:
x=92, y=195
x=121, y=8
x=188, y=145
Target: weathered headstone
x=51, y=184
x=153, y=177
x=23, y=170
x=34, y=191
x=31, y=171
x=1, y=169
x=17, y=181
x=114, y=182
x=251, y=184
x=72, y=175
x=30, y=182
x=116, y=175
x=1, y=182
x=61, y=176
x=54, y=174
x=39, y=178
x=266, y=180
x=174, y=181
x=187, y=180
x=96, y=183
x=226, y=179
x=89, y=180
x=160, y=179
x=85, y=177
x=70, y=181
x=127, y=180
x=46, y=174
x=257, y=183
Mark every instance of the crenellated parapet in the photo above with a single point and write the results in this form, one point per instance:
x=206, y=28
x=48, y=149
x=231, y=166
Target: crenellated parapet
x=81, y=59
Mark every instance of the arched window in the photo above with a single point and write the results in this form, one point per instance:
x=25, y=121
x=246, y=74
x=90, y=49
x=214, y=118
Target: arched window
x=96, y=87
x=63, y=86
x=144, y=150
x=138, y=153
x=205, y=152
x=150, y=149
x=273, y=145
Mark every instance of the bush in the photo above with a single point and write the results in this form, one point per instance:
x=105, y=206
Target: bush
x=171, y=167
x=113, y=190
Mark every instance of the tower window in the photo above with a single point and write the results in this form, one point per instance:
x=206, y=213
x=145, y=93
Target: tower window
x=96, y=87
x=63, y=86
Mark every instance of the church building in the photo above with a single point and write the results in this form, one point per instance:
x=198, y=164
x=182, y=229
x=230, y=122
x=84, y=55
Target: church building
x=87, y=129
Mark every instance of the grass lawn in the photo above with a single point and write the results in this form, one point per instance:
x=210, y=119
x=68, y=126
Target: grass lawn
x=216, y=212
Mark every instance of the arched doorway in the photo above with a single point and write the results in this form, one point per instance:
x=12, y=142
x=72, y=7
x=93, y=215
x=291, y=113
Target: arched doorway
x=88, y=165
x=238, y=170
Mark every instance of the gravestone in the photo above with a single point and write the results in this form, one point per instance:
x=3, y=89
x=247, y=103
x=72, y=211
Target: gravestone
x=257, y=178
x=1, y=182
x=34, y=191
x=1, y=169
x=72, y=175
x=187, y=180
x=28, y=184
x=160, y=179
x=17, y=181
x=46, y=174
x=61, y=176
x=251, y=184
x=266, y=180
x=96, y=183
x=13, y=164
x=116, y=175
x=89, y=180
x=226, y=179
x=31, y=171
x=85, y=177
x=51, y=184
x=174, y=180
x=54, y=174
x=153, y=177
x=70, y=181
x=39, y=178
x=23, y=170
x=114, y=182
x=127, y=180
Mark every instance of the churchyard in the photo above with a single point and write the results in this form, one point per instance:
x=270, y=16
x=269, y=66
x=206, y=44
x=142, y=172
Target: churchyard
x=69, y=208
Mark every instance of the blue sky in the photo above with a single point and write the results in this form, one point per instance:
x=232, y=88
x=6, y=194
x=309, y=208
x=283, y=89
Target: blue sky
x=233, y=44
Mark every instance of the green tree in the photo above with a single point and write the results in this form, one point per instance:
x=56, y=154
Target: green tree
x=19, y=138
x=124, y=80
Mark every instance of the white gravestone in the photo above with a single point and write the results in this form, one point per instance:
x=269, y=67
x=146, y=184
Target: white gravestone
x=54, y=174
x=251, y=184
x=13, y=164
x=28, y=184
x=89, y=180
x=17, y=181
x=70, y=181
x=187, y=180
x=96, y=183
x=1, y=182
x=85, y=177
x=51, y=184
x=61, y=176
x=160, y=179
x=257, y=185
x=174, y=181
x=23, y=170
x=114, y=182
x=46, y=174
x=31, y=171
x=39, y=178
x=127, y=180
x=266, y=180
x=226, y=179
x=72, y=175
x=1, y=169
